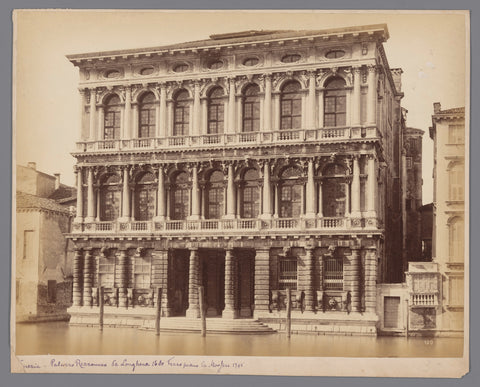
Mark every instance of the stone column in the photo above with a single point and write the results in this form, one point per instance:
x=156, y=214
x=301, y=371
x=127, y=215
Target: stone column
x=125, y=197
x=370, y=280
x=193, y=310
x=169, y=125
x=128, y=108
x=276, y=111
x=267, y=193
x=87, y=278
x=161, y=195
x=231, y=205
x=162, y=118
x=371, y=186
x=77, y=278
x=355, y=282
x=160, y=278
x=196, y=109
x=79, y=215
x=276, y=196
x=348, y=183
x=311, y=100
x=309, y=279
x=231, y=106
x=229, y=311
x=90, y=197
x=320, y=200
x=122, y=272
x=320, y=108
x=195, y=194
x=356, y=103
x=356, y=188
x=100, y=124
x=92, y=130
x=82, y=135
x=262, y=282
x=134, y=132
x=310, y=188
x=204, y=116
x=372, y=95
x=267, y=105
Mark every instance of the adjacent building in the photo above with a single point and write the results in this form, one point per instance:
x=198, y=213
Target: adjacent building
x=43, y=266
x=449, y=216
x=248, y=163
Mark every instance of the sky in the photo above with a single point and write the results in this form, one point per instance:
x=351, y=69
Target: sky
x=430, y=47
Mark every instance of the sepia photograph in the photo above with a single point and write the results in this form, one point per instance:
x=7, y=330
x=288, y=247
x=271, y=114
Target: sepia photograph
x=241, y=192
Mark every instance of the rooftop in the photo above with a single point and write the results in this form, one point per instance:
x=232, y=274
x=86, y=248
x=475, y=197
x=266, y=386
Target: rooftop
x=27, y=201
x=239, y=38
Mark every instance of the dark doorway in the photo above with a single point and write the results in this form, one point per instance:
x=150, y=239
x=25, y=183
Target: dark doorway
x=179, y=282
x=245, y=282
x=213, y=279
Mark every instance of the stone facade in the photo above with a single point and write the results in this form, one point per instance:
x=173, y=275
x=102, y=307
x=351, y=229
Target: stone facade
x=248, y=163
x=449, y=216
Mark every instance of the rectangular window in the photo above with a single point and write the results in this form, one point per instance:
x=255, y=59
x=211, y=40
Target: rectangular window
x=456, y=177
x=333, y=274
x=106, y=271
x=28, y=244
x=287, y=276
x=456, y=134
x=51, y=291
x=141, y=273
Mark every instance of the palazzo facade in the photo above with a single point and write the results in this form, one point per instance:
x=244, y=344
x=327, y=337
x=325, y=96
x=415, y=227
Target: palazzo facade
x=248, y=163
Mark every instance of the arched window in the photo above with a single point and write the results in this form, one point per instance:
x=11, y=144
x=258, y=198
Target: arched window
x=335, y=102
x=290, y=193
x=456, y=238
x=180, y=196
x=250, y=195
x=214, y=195
x=181, y=119
x=251, y=109
x=110, y=198
x=291, y=106
x=334, y=191
x=111, y=121
x=215, y=111
x=456, y=182
x=147, y=116
x=145, y=193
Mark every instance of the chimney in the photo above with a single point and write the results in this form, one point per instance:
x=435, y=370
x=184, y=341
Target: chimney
x=32, y=164
x=57, y=180
x=437, y=107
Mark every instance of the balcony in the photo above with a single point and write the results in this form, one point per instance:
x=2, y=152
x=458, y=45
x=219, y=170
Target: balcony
x=227, y=226
x=426, y=299
x=231, y=139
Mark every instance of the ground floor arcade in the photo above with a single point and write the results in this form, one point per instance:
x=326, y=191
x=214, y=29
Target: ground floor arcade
x=332, y=276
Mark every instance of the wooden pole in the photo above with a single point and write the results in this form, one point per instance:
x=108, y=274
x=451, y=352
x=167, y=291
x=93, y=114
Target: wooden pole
x=289, y=312
x=202, y=311
x=101, y=303
x=159, y=311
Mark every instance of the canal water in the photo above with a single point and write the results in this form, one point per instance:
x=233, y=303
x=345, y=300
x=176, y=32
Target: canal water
x=58, y=338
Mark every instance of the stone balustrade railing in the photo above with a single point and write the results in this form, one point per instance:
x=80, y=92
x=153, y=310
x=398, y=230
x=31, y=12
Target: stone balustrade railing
x=424, y=299
x=247, y=138
x=176, y=227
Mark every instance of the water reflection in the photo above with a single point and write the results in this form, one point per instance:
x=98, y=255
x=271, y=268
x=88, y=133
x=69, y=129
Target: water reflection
x=61, y=339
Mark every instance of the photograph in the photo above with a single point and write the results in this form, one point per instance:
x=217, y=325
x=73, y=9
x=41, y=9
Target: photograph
x=241, y=192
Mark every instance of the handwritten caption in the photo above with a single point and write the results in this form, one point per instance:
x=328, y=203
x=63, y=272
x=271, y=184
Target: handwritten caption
x=137, y=365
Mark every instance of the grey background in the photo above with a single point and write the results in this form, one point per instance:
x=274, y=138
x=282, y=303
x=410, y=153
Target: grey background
x=8, y=379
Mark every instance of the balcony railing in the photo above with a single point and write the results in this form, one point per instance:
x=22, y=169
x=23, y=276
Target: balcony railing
x=208, y=140
x=213, y=226
x=424, y=299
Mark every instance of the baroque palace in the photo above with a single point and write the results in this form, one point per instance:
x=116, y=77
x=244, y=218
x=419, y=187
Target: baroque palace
x=247, y=163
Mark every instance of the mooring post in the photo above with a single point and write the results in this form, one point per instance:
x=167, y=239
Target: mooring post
x=159, y=311
x=100, y=303
x=202, y=311
x=289, y=312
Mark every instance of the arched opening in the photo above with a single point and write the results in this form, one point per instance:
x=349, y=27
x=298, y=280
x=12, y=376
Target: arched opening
x=145, y=194
x=216, y=113
x=180, y=196
x=291, y=106
x=111, y=119
x=146, y=116
x=181, y=113
x=335, y=102
x=251, y=109
x=334, y=191
x=110, y=198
